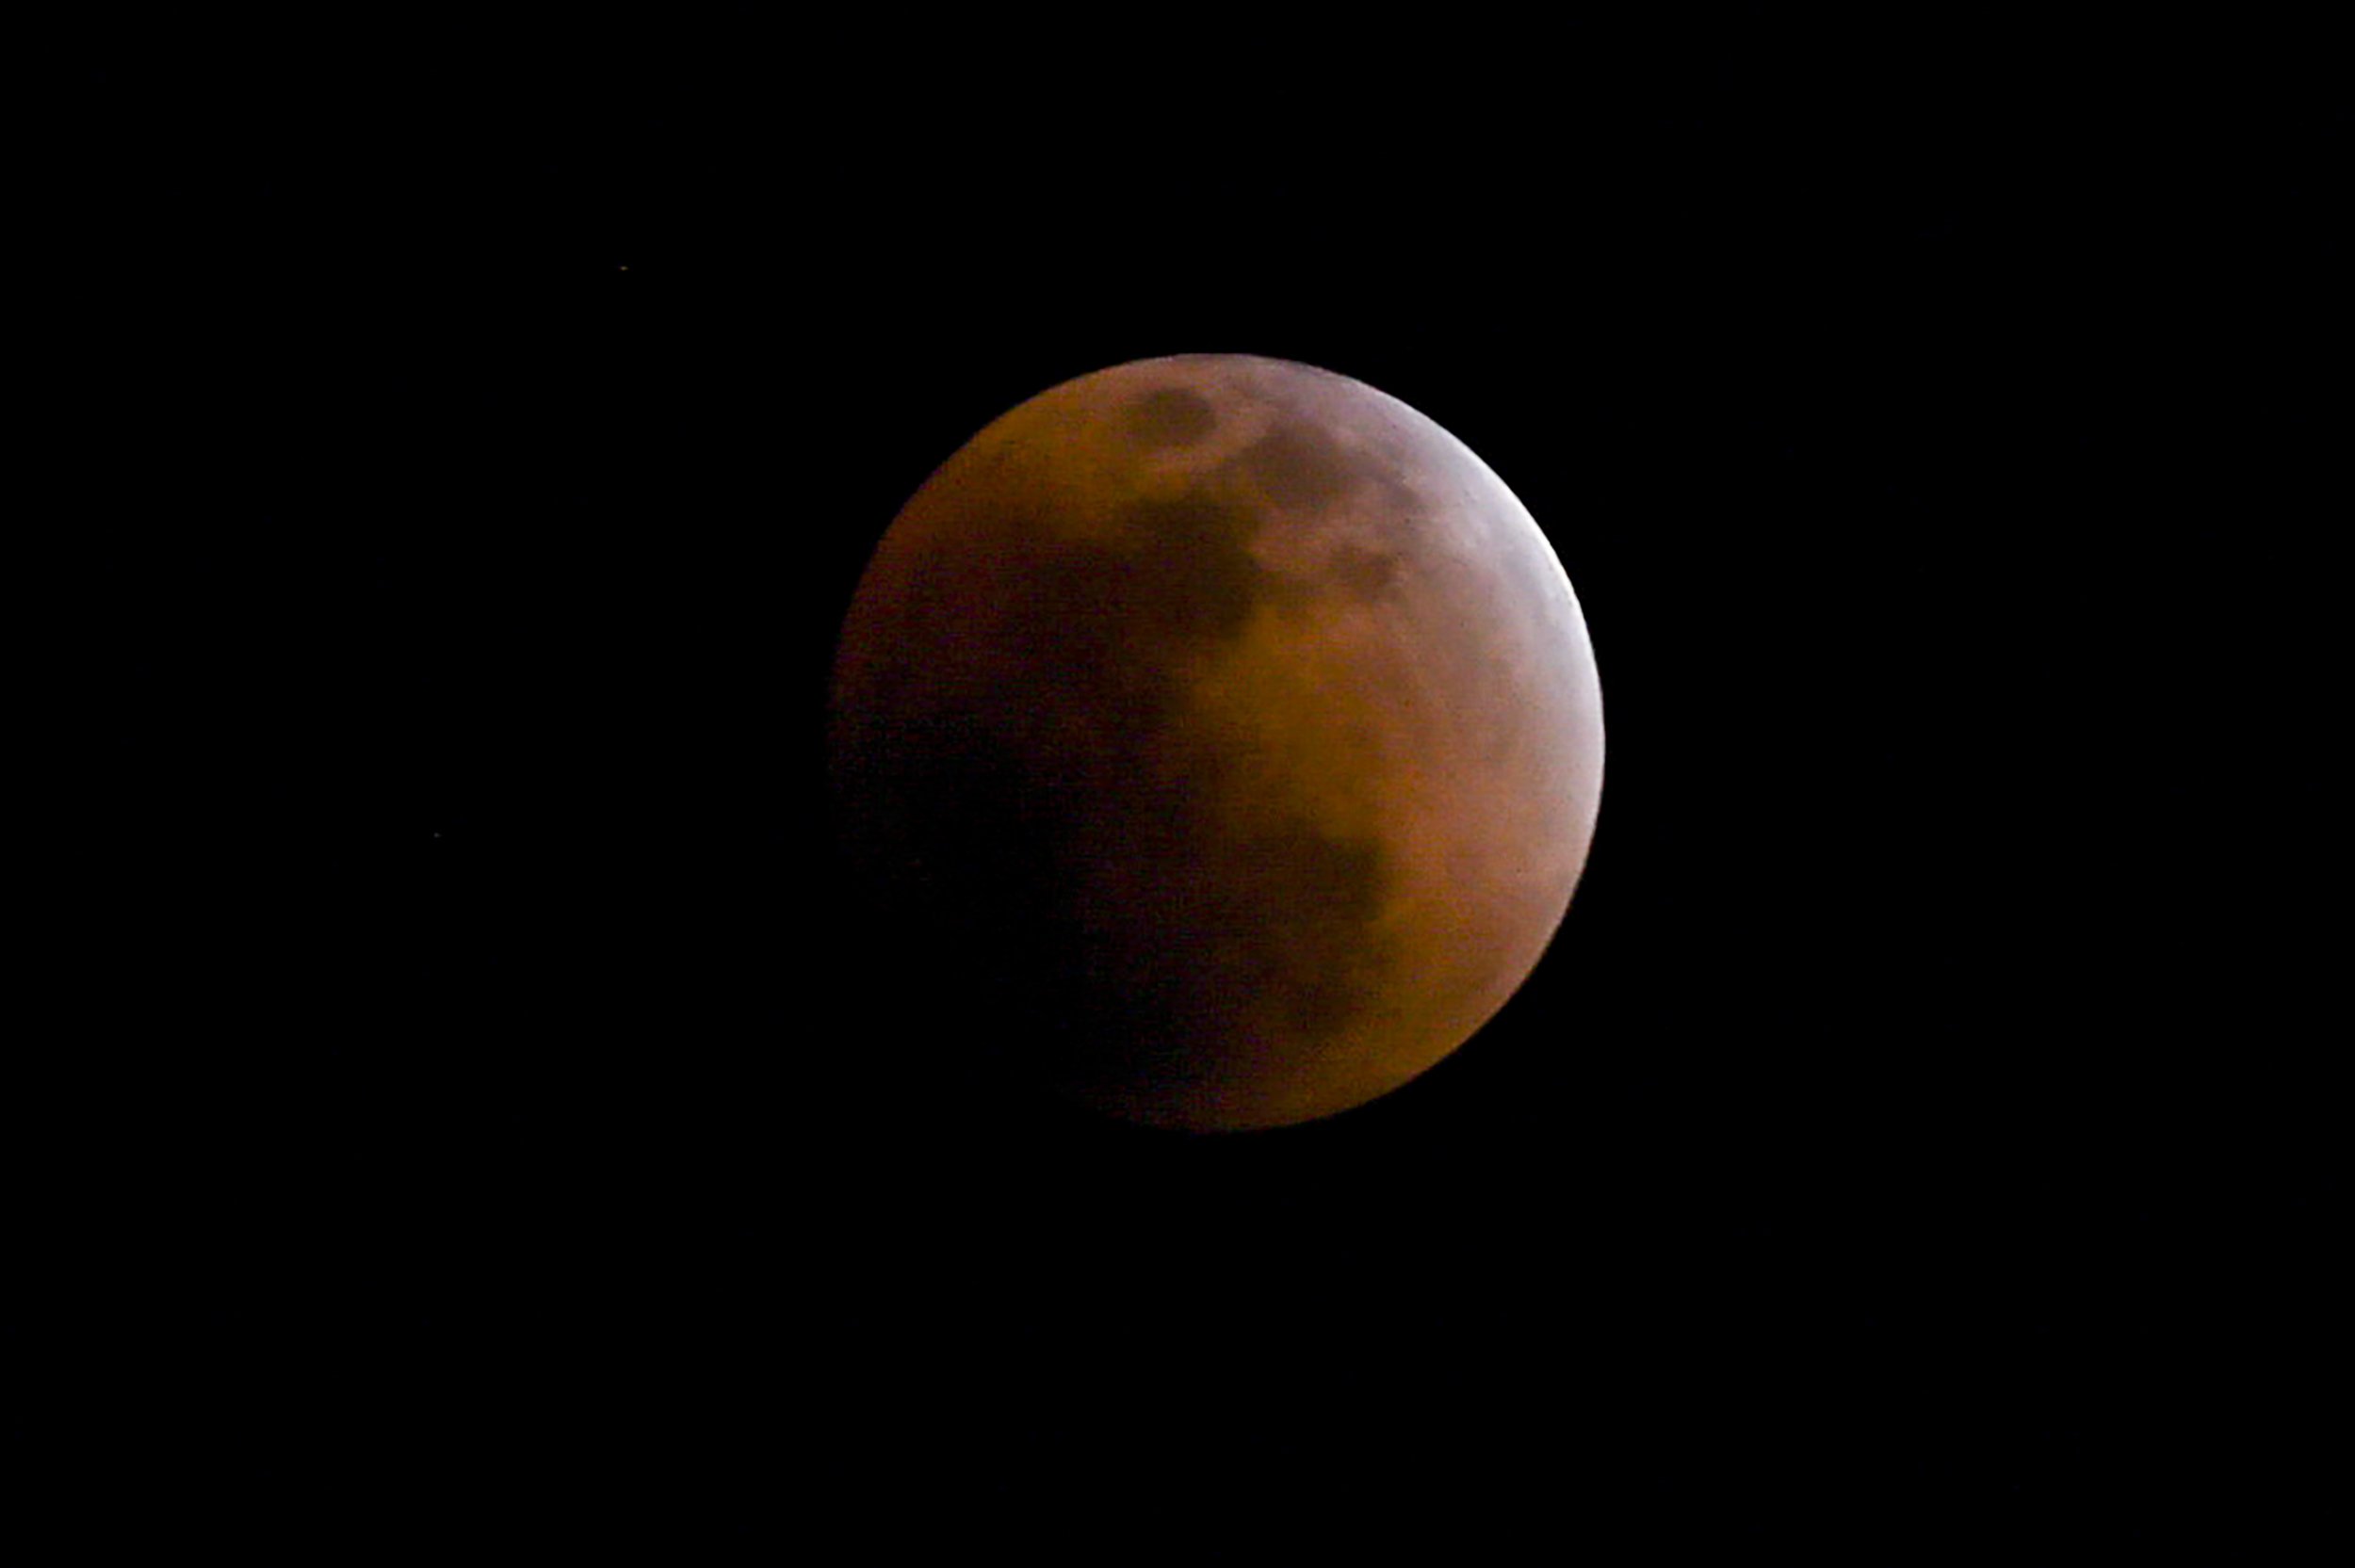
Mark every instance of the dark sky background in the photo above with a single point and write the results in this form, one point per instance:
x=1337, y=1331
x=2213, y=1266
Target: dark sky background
x=485, y=438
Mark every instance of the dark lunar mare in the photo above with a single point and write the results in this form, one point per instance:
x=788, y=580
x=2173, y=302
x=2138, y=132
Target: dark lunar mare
x=1064, y=846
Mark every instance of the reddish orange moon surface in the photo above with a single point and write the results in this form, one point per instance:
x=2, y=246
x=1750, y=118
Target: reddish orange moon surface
x=1233, y=726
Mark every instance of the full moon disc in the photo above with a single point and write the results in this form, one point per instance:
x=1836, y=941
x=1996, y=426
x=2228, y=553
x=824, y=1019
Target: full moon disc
x=1229, y=730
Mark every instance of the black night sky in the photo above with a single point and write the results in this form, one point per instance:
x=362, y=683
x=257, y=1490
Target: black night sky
x=525, y=1139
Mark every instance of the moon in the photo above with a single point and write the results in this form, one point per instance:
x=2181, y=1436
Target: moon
x=1228, y=728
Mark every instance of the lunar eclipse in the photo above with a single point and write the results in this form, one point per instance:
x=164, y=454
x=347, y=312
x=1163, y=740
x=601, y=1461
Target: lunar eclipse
x=1230, y=728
